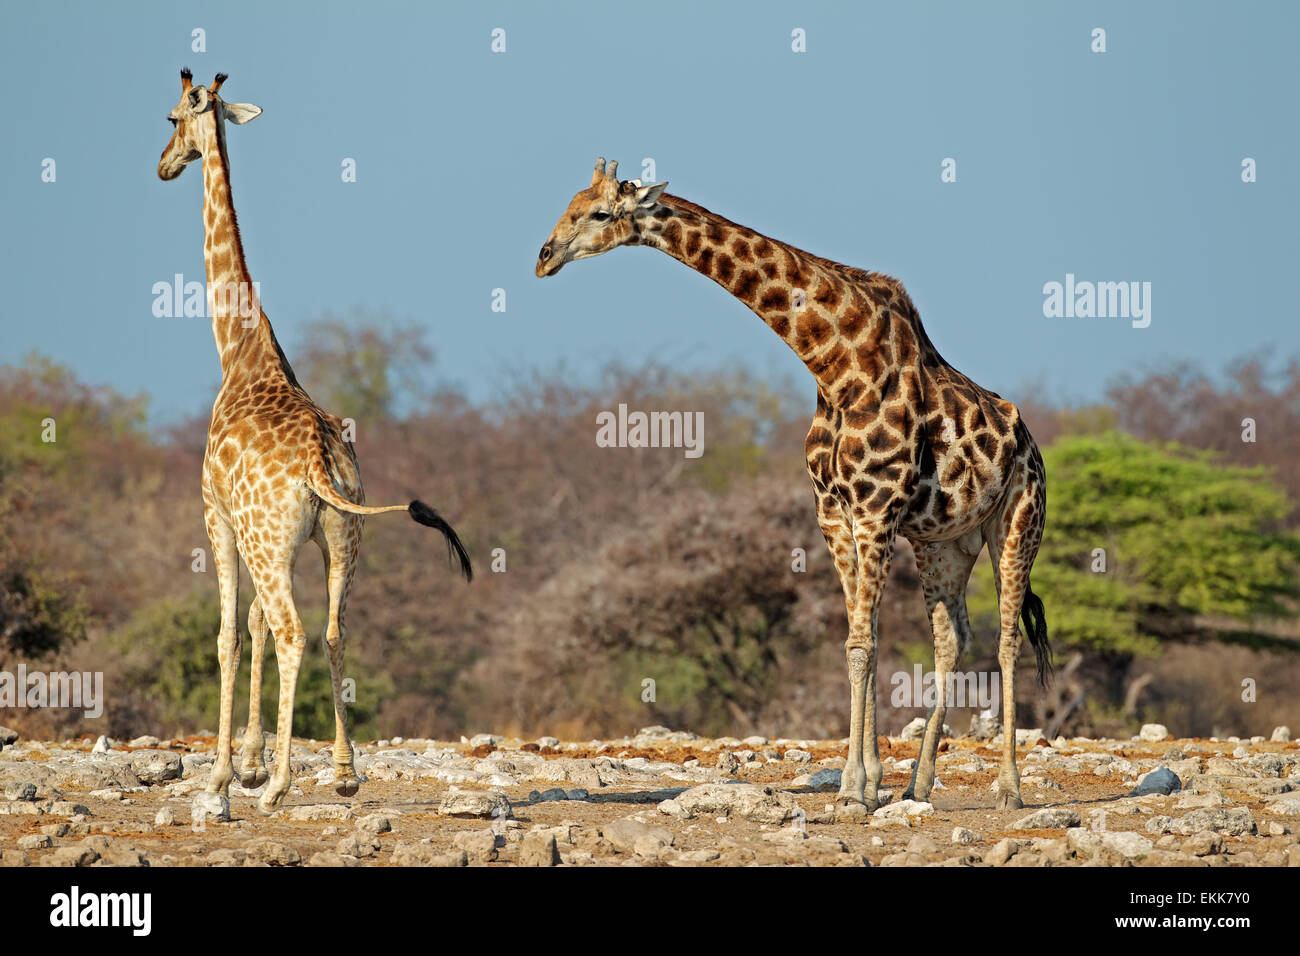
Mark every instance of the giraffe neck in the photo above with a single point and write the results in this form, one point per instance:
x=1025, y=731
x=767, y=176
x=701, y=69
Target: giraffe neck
x=245, y=341
x=824, y=311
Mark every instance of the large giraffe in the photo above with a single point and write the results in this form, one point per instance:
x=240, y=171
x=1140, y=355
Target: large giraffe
x=276, y=472
x=902, y=443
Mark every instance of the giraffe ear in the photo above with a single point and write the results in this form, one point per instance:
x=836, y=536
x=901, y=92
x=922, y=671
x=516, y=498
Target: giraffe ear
x=649, y=195
x=241, y=113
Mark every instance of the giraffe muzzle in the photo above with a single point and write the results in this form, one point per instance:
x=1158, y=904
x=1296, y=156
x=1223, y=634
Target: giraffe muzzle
x=547, y=262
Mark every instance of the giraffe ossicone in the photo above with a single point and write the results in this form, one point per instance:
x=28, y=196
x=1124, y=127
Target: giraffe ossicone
x=901, y=443
x=277, y=472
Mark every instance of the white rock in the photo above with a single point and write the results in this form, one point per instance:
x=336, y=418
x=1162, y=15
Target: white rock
x=1127, y=845
x=1281, y=734
x=672, y=808
x=963, y=836
x=1153, y=733
x=758, y=803
x=210, y=807
x=475, y=803
x=903, y=809
x=914, y=730
x=1049, y=818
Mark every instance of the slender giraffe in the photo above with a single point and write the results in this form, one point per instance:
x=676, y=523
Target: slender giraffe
x=901, y=443
x=277, y=471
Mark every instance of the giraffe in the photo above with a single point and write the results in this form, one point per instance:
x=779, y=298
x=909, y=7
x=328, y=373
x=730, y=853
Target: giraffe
x=901, y=443
x=276, y=472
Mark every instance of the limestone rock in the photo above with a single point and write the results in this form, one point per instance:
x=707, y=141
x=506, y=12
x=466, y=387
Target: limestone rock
x=272, y=853
x=750, y=801
x=1049, y=818
x=1231, y=821
x=155, y=766
x=475, y=803
x=538, y=849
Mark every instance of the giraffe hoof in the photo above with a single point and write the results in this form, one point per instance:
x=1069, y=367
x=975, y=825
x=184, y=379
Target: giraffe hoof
x=1009, y=801
x=851, y=811
x=252, y=779
x=270, y=802
x=347, y=787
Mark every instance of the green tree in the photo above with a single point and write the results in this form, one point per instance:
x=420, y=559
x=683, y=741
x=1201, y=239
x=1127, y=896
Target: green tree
x=1191, y=547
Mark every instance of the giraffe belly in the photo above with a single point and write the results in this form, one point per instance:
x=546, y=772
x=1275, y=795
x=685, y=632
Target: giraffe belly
x=943, y=513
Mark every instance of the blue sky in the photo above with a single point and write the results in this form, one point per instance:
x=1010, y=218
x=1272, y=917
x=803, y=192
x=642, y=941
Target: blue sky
x=1115, y=166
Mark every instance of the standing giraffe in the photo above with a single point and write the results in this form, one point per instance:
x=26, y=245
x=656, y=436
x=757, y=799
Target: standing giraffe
x=276, y=471
x=901, y=443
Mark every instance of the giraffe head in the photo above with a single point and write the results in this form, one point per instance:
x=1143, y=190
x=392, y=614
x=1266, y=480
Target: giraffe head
x=600, y=218
x=196, y=117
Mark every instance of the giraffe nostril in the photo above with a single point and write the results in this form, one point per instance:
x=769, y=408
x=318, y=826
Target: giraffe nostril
x=545, y=254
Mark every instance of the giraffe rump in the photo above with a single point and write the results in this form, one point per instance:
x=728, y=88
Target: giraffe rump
x=1034, y=617
x=426, y=516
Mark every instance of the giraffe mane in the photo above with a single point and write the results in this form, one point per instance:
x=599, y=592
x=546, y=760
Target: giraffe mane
x=852, y=273
x=864, y=278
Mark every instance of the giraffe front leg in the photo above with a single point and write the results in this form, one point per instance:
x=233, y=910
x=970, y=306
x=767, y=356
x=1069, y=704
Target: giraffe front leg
x=252, y=764
x=225, y=557
x=862, y=770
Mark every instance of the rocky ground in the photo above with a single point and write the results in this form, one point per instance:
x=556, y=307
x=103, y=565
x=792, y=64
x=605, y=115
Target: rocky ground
x=659, y=798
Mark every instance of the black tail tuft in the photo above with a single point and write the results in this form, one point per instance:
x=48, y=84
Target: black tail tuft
x=1035, y=619
x=426, y=516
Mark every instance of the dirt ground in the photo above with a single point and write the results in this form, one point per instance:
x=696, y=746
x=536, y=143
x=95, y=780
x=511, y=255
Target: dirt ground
x=654, y=799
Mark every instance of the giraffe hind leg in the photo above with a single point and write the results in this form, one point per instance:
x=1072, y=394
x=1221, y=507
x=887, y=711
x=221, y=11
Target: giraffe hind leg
x=252, y=763
x=1013, y=537
x=274, y=582
x=944, y=568
x=339, y=537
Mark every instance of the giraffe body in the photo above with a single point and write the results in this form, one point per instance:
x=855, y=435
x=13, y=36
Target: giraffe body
x=901, y=443
x=276, y=473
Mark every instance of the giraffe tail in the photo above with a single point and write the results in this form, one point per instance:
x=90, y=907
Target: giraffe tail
x=1034, y=617
x=426, y=516
x=319, y=482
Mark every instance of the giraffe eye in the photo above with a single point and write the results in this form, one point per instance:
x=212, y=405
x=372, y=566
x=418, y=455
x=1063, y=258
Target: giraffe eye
x=600, y=216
